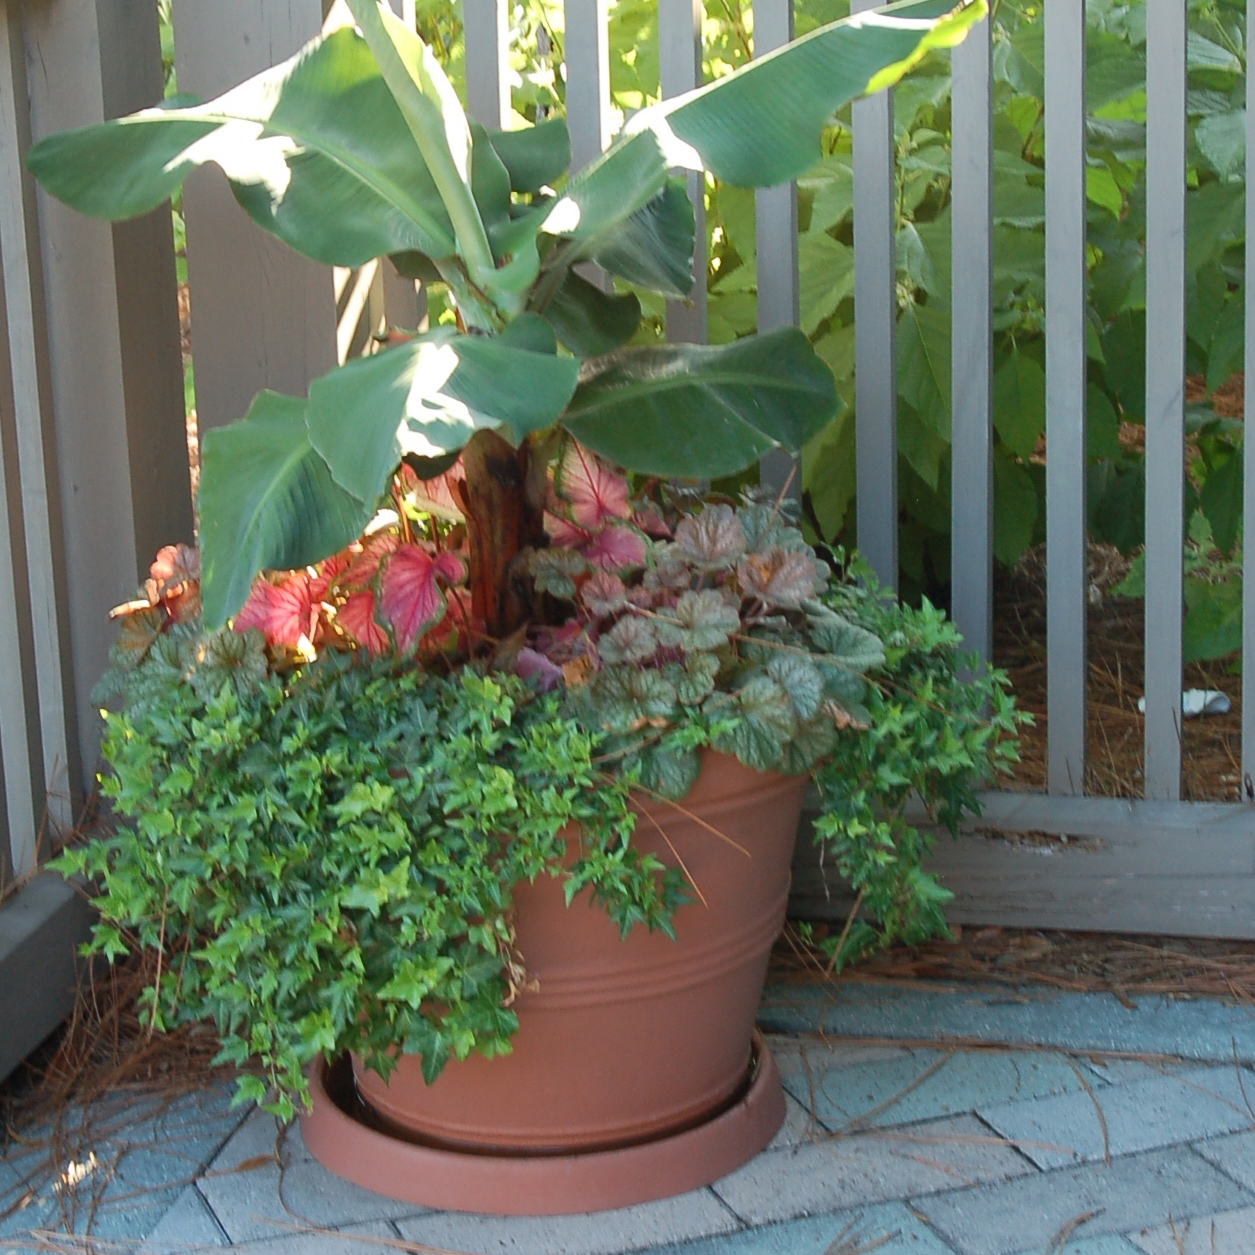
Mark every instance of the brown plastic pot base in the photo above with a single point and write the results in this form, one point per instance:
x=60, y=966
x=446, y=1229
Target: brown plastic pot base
x=340, y=1136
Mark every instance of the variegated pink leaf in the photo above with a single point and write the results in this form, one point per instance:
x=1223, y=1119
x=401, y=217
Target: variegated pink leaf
x=411, y=600
x=282, y=613
x=564, y=534
x=592, y=492
x=615, y=549
x=365, y=559
x=357, y=618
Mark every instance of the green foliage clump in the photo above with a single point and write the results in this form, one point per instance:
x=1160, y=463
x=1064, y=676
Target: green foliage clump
x=939, y=728
x=324, y=859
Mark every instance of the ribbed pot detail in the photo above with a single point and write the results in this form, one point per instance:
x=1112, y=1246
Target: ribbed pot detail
x=627, y=1041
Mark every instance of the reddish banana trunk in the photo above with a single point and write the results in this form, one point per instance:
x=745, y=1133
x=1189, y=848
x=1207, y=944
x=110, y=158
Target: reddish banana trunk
x=503, y=517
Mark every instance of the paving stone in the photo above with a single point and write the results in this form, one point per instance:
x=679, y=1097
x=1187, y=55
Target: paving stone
x=375, y=1238
x=696, y=1214
x=188, y=1225
x=1108, y=1244
x=798, y=1126
x=1197, y=1029
x=888, y=1230
x=1159, y=1111
x=1234, y=1155
x=260, y=1137
x=924, y=1084
x=256, y=1202
x=868, y=1168
x=1134, y=1192
x=1230, y=1233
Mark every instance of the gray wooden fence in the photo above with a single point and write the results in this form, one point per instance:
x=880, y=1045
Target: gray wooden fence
x=95, y=474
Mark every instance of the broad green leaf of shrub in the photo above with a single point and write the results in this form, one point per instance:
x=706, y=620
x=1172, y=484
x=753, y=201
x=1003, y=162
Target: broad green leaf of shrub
x=698, y=410
x=1020, y=402
x=267, y=500
x=1015, y=510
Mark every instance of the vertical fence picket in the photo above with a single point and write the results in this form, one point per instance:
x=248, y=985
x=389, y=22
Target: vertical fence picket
x=21, y=272
x=1066, y=579
x=263, y=317
x=1165, y=389
x=1247, y=791
x=17, y=725
x=486, y=31
x=679, y=71
x=875, y=327
x=587, y=57
x=775, y=226
x=971, y=217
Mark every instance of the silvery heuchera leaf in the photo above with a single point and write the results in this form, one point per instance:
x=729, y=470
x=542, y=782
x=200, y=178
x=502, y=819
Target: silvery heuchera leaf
x=698, y=621
x=668, y=576
x=855, y=648
x=765, y=726
x=694, y=680
x=554, y=571
x=767, y=527
x=238, y=658
x=604, y=594
x=630, y=640
x=711, y=540
x=136, y=634
x=669, y=773
x=779, y=577
x=801, y=679
x=626, y=699
x=813, y=741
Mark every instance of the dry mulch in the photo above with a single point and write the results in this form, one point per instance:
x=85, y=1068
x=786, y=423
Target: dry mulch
x=1211, y=749
x=1125, y=966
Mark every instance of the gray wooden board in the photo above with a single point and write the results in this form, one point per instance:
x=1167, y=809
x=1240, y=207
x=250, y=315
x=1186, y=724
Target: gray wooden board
x=1153, y=867
x=262, y=316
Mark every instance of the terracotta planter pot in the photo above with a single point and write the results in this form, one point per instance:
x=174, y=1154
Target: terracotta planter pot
x=625, y=1043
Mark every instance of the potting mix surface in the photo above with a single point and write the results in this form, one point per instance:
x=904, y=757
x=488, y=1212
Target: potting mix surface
x=1005, y=1092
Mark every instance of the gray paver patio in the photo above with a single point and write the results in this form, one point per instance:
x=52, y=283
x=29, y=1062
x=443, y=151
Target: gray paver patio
x=970, y=1149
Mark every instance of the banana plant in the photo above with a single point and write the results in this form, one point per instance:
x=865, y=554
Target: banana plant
x=358, y=148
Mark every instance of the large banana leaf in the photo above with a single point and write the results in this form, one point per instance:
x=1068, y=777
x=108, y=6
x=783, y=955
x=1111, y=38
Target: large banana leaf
x=267, y=500
x=315, y=148
x=761, y=125
x=428, y=397
x=698, y=411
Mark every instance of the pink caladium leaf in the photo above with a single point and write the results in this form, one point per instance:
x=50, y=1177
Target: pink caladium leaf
x=779, y=577
x=712, y=540
x=327, y=574
x=592, y=493
x=563, y=534
x=284, y=613
x=616, y=549
x=357, y=618
x=364, y=559
x=411, y=600
x=440, y=495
